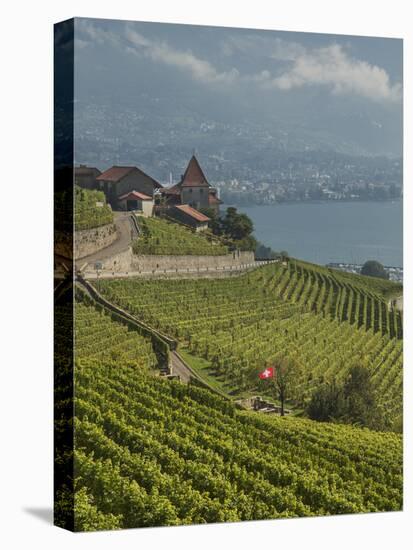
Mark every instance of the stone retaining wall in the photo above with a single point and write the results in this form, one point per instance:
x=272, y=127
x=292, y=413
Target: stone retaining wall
x=126, y=262
x=121, y=262
x=156, y=263
x=84, y=242
x=90, y=241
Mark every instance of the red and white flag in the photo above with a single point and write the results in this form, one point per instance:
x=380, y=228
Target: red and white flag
x=267, y=373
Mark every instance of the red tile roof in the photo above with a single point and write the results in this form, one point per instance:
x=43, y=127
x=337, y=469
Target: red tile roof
x=116, y=173
x=135, y=195
x=194, y=176
x=193, y=213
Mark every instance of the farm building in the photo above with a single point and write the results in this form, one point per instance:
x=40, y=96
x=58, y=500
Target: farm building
x=189, y=216
x=193, y=189
x=139, y=202
x=121, y=180
x=85, y=176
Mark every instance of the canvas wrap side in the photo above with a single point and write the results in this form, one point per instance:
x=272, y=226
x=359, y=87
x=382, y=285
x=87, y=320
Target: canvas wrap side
x=63, y=286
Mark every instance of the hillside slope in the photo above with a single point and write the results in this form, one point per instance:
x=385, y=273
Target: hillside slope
x=149, y=451
x=160, y=236
x=152, y=452
x=324, y=320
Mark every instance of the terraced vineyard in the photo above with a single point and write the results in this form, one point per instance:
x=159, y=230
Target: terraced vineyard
x=91, y=209
x=160, y=236
x=324, y=320
x=149, y=452
x=99, y=338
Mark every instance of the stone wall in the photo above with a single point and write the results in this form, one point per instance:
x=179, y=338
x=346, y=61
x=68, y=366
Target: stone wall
x=155, y=262
x=120, y=262
x=128, y=262
x=89, y=241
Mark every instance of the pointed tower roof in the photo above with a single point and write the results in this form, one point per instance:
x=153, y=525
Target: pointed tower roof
x=194, y=176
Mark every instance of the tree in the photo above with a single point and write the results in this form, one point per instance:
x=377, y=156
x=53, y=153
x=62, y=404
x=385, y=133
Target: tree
x=247, y=243
x=286, y=371
x=327, y=403
x=359, y=395
x=373, y=268
x=215, y=224
x=353, y=402
x=264, y=252
x=234, y=227
x=237, y=226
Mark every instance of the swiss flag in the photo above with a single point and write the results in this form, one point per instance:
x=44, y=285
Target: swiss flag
x=267, y=373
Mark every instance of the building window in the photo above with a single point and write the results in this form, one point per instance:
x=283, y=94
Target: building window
x=190, y=190
x=201, y=191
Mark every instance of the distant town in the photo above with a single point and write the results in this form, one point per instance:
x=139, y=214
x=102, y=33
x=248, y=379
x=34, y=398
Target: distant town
x=252, y=164
x=318, y=177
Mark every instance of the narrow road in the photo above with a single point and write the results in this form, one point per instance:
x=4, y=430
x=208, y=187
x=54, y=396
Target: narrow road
x=179, y=368
x=124, y=231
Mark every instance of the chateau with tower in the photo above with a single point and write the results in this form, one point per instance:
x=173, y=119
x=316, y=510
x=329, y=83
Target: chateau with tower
x=129, y=188
x=193, y=189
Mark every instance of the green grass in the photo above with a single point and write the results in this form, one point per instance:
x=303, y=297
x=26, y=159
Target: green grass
x=204, y=369
x=163, y=237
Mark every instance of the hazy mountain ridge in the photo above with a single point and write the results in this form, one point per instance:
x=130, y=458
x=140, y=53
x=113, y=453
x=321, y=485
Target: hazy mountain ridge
x=161, y=142
x=149, y=94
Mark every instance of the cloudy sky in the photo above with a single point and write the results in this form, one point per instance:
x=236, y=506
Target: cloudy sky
x=251, y=72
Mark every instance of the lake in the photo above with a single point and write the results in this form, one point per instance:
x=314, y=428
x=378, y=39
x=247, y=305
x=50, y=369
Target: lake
x=332, y=231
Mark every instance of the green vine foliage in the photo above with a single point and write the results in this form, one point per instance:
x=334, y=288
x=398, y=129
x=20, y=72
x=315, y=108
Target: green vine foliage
x=91, y=209
x=160, y=236
x=149, y=451
x=322, y=320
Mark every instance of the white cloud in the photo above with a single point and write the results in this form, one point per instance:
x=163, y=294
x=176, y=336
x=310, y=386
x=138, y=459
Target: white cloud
x=333, y=68
x=199, y=69
x=330, y=67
